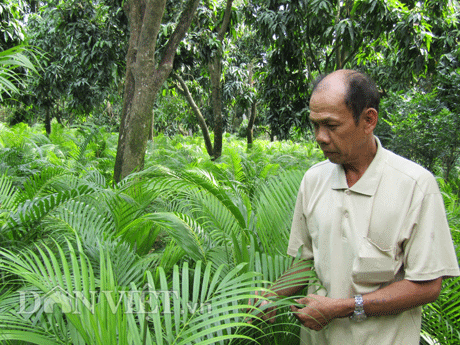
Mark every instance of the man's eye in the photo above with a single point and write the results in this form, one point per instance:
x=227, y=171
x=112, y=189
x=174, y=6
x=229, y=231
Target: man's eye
x=332, y=126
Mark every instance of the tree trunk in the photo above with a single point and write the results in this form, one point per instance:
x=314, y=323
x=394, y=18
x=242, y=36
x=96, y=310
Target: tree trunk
x=48, y=121
x=215, y=71
x=251, y=121
x=152, y=124
x=338, y=45
x=201, y=121
x=342, y=51
x=252, y=110
x=449, y=162
x=144, y=78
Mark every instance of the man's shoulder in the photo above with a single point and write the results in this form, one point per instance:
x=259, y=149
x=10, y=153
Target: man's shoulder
x=405, y=169
x=319, y=169
x=318, y=172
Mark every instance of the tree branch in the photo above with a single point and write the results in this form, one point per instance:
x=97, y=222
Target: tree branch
x=201, y=121
x=151, y=24
x=182, y=27
x=226, y=21
x=315, y=62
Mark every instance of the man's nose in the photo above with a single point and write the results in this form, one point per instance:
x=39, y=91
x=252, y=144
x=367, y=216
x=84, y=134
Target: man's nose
x=322, y=136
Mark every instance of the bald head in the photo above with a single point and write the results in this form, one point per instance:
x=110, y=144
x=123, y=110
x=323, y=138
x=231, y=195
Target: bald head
x=360, y=92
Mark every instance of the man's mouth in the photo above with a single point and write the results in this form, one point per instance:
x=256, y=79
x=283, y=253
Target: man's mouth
x=329, y=153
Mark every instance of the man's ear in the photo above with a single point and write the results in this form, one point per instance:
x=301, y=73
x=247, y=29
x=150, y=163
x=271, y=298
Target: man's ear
x=370, y=117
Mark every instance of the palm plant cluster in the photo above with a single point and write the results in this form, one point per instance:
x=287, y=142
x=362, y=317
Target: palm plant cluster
x=170, y=255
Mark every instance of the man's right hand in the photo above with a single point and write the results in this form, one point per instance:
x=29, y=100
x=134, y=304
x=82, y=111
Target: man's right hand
x=267, y=314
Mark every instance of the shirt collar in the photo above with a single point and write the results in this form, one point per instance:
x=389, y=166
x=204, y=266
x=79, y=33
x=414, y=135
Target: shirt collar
x=369, y=182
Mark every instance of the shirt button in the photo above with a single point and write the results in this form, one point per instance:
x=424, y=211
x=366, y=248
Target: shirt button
x=347, y=192
x=345, y=214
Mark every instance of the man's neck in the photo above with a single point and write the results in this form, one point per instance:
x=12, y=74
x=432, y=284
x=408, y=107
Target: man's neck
x=354, y=171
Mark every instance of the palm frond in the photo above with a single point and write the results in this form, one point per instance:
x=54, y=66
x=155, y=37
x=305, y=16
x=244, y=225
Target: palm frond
x=196, y=306
x=95, y=232
x=10, y=60
x=36, y=209
x=176, y=227
x=125, y=208
x=441, y=319
x=205, y=308
x=275, y=204
x=196, y=179
x=79, y=153
x=79, y=219
x=7, y=193
x=94, y=176
x=169, y=256
x=49, y=180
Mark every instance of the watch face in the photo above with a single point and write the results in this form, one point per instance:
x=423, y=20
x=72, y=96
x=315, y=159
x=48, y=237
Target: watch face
x=358, y=317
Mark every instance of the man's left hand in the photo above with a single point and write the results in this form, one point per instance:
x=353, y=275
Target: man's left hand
x=317, y=313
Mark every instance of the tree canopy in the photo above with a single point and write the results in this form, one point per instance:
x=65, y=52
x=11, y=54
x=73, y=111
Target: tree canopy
x=230, y=61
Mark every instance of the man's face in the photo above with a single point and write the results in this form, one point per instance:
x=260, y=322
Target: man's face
x=340, y=139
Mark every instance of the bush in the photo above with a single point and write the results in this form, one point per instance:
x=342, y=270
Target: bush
x=423, y=129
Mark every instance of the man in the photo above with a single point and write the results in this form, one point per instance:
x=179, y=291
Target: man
x=373, y=223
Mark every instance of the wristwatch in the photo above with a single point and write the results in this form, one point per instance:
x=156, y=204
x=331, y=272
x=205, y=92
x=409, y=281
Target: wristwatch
x=359, y=314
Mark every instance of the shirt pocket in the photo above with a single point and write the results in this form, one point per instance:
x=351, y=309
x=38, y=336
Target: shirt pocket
x=374, y=264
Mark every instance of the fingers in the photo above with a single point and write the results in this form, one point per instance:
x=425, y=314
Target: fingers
x=270, y=315
x=303, y=300
x=306, y=319
x=267, y=313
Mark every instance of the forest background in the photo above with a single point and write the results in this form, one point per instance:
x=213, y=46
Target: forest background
x=151, y=153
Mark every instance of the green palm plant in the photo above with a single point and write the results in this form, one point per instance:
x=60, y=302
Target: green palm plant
x=7, y=202
x=213, y=213
x=10, y=61
x=221, y=212
x=25, y=151
x=196, y=306
x=441, y=319
x=18, y=155
x=450, y=190
x=274, y=206
x=176, y=153
x=40, y=198
x=94, y=151
x=222, y=220
x=229, y=209
x=66, y=206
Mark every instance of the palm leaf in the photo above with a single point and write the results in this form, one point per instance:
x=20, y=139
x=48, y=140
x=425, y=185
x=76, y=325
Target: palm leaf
x=7, y=193
x=10, y=60
x=206, y=307
x=441, y=319
x=7, y=204
x=196, y=179
x=194, y=307
x=79, y=154
x=176, y=227
x=275, y=204
x=35, y=210
x=50, y=180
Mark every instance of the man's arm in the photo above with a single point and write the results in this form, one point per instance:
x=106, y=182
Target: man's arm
x=392, y=299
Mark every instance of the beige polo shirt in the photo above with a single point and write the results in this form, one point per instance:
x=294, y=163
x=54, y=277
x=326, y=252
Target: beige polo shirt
x=390, y=225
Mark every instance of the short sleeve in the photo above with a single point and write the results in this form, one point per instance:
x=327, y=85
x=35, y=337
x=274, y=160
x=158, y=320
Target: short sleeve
x=300, y=237
x=429, y=253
